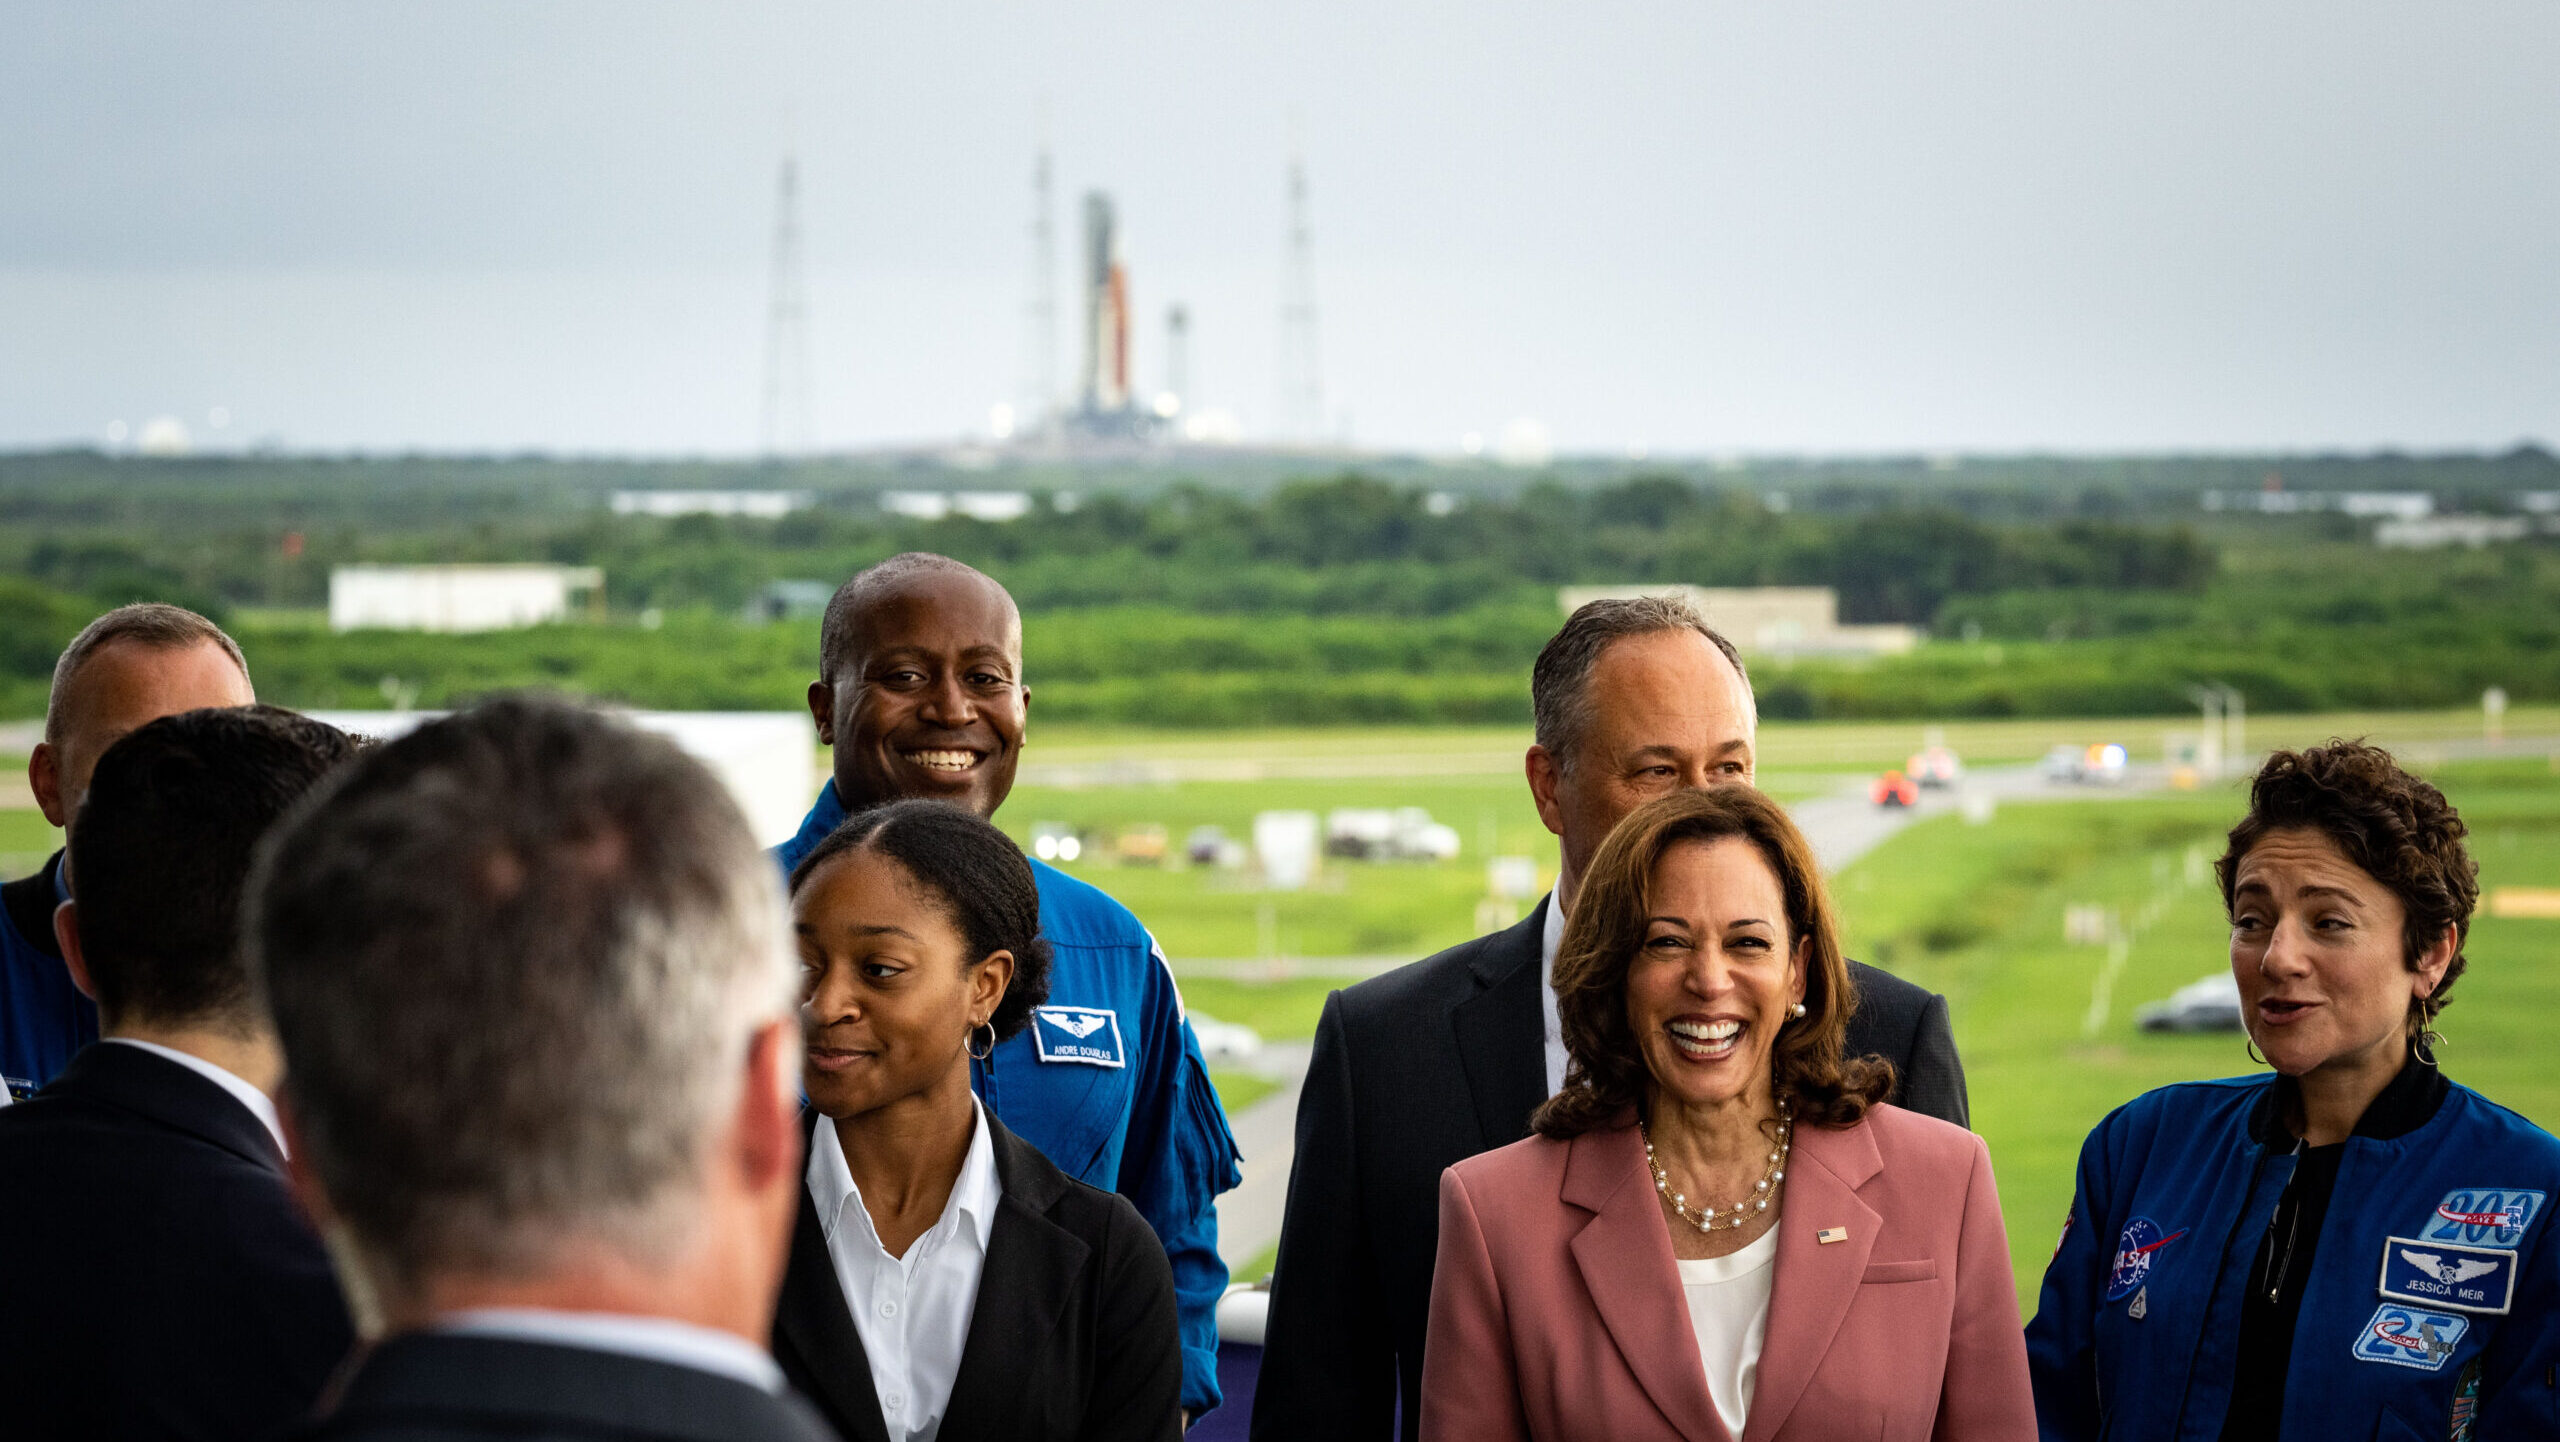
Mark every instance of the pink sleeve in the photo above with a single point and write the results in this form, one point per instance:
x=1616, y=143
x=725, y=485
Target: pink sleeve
x=1986, y=1394
x=1469, y=1391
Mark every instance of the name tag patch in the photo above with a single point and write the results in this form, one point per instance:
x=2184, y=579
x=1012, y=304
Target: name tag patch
x=2482, y=1216
x=1087, y=1034
x=2440, y=1274
x=2411, y=1337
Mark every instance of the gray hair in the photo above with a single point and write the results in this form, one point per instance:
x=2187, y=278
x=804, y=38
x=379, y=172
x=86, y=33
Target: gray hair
x=145, y=623
x=835, y=632
x=515, y=959
x=1560, y=683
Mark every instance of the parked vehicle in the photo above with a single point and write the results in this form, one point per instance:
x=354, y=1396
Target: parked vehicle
x=2209, y=1004
x=1894, y=789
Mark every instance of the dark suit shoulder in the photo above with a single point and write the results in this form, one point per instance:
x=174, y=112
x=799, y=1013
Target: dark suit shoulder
x=1443, y=977
x=1886, y=999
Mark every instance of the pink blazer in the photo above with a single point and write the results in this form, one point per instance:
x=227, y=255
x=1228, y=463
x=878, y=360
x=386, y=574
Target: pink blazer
x=1556, y=1310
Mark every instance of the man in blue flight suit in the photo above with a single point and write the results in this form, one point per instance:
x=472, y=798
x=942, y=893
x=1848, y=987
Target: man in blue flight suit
x=920, y=694
x=126, y=669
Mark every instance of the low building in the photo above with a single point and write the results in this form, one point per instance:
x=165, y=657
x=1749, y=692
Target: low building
x=1767, y=620
x=2428, y=533
x=755, y=505
x=458, y=597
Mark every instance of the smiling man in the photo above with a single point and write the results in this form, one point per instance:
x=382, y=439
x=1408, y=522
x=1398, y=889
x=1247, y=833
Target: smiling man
x=920, y=694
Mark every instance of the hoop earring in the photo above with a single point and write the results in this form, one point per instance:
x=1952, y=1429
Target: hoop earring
x=2423, y=1045
x=989, y=1028
x=2253, y=1053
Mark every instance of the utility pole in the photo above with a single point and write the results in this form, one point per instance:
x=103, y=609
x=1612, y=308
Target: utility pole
x=786, y=347
x=1301, y=399
x=1177, y=361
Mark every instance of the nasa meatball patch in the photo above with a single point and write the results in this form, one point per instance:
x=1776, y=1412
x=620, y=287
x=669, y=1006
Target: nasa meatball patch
x=2440, y=1274
x=1087, y=1034
x=2141, y=1241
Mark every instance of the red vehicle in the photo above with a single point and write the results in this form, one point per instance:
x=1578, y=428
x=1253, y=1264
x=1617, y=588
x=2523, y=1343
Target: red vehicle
x=1895, y=789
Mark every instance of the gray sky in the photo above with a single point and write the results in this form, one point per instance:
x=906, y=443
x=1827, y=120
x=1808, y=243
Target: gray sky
x=1680, y=226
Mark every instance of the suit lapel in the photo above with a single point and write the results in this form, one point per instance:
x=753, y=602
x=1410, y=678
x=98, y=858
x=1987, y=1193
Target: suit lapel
x=812, y=1320
x=1501, y=1032
x=1032, y=1270
x=1816, y=1281
x=1624, y=1255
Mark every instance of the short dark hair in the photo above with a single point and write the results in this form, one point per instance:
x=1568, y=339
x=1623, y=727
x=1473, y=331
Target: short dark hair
x=145, y=623
x=516, y=959
x=1560, y=682
x=835, y=632
x=2398, y=829
x=1605, y=1073
x=980, y=876
x=160, y=857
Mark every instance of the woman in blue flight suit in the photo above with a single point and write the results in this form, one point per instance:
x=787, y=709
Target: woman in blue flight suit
x=2356, y=1247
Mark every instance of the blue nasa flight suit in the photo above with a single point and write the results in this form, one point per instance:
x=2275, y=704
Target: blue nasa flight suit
x=1108, y=1082
x=44, y=1019
x=2432, y=1308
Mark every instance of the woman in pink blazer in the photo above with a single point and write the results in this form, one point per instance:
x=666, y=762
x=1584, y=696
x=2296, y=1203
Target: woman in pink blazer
x=1659, y=1261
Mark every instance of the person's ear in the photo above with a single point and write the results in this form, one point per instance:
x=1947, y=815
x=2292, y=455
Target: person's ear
x=768, y=1116
x=44, y=778
x=822, y=709
x=1802, y=966
x=1545, y=777
x=66, y=932
x=987, y=986
x=2429, y=972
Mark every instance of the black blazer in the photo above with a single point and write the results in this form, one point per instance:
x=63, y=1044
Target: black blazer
x=429, y=1388
x=1073, y=1336
x=1413, y=1072
x=156, y=1278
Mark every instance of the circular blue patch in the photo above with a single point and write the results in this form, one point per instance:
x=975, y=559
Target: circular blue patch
x=2134, y=1249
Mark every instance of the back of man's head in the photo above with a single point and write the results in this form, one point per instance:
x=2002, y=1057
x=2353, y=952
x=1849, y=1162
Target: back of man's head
x=161, y=856
x=515, y=959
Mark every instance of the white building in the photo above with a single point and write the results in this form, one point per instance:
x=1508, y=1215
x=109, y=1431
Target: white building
x=758, y=505
x=456, y=598
x=767, y=759
x=1769, y=620
x=991, y=506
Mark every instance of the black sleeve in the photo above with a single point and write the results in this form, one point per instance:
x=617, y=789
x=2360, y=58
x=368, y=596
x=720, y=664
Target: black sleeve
x=1932, y=1081
x=1137, y=1362
x=1328, y=1362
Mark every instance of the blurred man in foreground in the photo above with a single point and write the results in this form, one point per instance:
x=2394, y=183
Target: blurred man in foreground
x=920, y=693
x=1432, y=1063
x=162, y=1282
x=132, y=665
x=535, y=993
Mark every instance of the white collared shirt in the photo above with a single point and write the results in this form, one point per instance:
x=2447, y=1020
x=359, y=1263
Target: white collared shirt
x=657, y=1339
x=260, y=1105
x=1549, y=943
x=912, y=1312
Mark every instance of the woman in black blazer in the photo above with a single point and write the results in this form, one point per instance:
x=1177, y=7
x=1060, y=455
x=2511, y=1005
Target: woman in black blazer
x=997, y=1297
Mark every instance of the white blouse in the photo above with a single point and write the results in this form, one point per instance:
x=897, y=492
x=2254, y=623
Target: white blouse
x=1729, y=1312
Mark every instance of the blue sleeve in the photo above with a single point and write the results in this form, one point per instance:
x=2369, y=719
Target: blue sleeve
x=2062, y=1340
x=2520, y=1371
x=1179, y=1157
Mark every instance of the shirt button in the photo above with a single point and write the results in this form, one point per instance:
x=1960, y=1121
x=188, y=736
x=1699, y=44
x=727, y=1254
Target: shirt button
x=893, y=1401
x=888, y=1308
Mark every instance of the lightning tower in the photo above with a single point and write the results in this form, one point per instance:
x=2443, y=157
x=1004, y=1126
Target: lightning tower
x=1038, y=403
x=786, y=348
x=1300, y=414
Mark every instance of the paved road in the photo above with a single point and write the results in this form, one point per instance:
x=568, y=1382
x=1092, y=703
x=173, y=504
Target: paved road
x=1842, y=826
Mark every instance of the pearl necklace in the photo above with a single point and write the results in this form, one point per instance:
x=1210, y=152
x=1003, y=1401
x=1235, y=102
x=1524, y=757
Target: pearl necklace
x=1740, y=1212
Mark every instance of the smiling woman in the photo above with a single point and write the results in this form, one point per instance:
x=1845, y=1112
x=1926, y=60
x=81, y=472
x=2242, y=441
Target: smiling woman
x=2255, y=1213
x=1669, y=1239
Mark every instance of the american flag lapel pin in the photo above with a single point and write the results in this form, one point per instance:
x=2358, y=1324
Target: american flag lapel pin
x=1832, y=1234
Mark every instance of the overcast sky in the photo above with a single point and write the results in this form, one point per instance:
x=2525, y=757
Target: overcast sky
x=1687, y=227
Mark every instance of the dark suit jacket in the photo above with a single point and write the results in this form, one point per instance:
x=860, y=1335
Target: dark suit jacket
x=1413, y=1072
x=1073, y=1335
x=156, y=1278
x=429, y=1388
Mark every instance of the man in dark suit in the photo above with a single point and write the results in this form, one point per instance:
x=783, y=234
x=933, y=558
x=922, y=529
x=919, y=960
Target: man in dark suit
x=161, y=1281
x=532, y=980
x=1433, y=1063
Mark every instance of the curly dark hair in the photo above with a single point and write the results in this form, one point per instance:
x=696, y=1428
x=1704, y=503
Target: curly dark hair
x=1605, y=1074
x=2399, y=829
x=980, y=876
